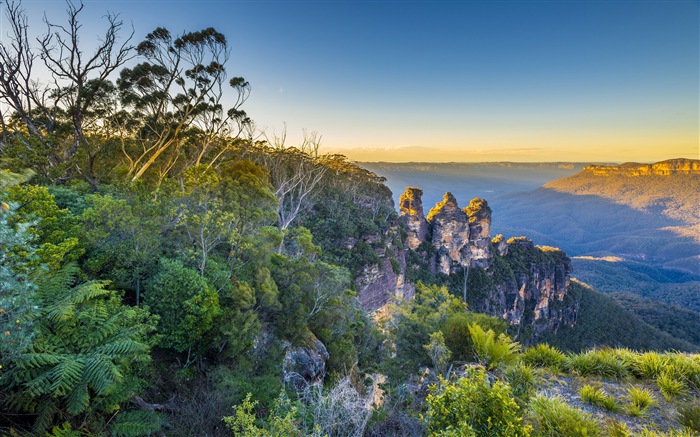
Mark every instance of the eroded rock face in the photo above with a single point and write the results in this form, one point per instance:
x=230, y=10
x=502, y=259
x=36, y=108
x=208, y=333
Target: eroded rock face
x=450, y=234
x=479, y=217
x=305, y=365
x=411, y=208
x=664, y=168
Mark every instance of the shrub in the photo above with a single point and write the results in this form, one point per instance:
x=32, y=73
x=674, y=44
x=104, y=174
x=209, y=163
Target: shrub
x=594, y=394
x=491, y=351
x=544, y=355
x=552, y=417
x=473, y=406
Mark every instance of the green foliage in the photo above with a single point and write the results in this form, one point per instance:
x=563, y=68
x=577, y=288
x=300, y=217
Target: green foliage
x=456, y=332
x=670, y=385
x=186, y=304
x=243, y=422
x=437, y=351
x=82, y=360
x=54, y=228
x=552, y=417
x=607, y=363
x=544, y=355
x=522, y=381
x=639, y=400
x=474, y=406
x=493, y=351
x=689, y=415
x=594, y=394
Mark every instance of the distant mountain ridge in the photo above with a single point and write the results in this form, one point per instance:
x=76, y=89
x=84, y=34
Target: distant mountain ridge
x=663, y=168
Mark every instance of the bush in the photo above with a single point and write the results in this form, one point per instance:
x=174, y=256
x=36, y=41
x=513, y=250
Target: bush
x=552, y=417
x=473, y=406
x=544, y=355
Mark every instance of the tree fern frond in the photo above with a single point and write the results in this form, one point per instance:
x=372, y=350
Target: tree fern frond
x=135, y=423
x=78, y=400
x=33, y=360
x=89, y=290
x=46, y=410
x=55, y=286
x=122, y=348
x=39, y=385
x=100, y=374
x=66, y=375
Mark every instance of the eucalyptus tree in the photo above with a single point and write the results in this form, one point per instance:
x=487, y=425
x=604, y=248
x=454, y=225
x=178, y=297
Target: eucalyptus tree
x=175, y=98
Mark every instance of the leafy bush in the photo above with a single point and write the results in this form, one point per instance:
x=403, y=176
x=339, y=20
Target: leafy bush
x=552, y=417
x=594, y=394
x=473, y=406
x=544, y=355
x=491, y=351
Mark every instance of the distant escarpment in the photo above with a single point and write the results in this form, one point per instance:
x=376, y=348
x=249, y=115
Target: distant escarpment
x=512, y=279
x=663, y=168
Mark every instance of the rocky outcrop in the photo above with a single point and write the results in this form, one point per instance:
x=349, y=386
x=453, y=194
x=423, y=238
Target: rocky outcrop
x=450, y=230
x=479, y=216
x=527, y=286
x=380, y=282
x=305, y=365
x=663, y=168
x=411, y=209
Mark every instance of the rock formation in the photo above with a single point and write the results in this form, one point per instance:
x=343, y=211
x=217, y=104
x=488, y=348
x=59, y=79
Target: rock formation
x=411, y=208
x=527, y=287
x=305, y=365
x=450, y=234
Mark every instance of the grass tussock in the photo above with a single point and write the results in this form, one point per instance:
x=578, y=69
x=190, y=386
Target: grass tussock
x=552, y=417
x=595, y=395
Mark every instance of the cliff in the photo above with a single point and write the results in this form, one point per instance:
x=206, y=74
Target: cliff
x=663, y=168
x=513, y=279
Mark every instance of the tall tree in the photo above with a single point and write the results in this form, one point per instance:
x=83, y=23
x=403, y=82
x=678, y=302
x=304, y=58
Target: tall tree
x=178, y=90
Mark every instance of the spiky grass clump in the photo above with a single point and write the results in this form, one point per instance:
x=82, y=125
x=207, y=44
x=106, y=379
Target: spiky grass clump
x=639, y=399
x=606, y=363
x=544, y=355
x=522, y=380
x=689, y=415
x=671, y=384
x=649, y=365
x=594, y=394
x=552, y=417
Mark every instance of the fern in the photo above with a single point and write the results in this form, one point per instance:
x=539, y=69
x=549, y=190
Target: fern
x=135, y=423
x=491, y=351
x=79, y=364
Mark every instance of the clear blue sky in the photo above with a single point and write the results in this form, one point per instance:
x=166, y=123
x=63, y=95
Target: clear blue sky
x=455, y=80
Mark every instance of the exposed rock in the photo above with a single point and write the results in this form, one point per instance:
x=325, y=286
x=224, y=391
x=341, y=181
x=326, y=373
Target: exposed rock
x=379, y=283
x=305, y=365
x=411, y=208
x=450, y=234
x=479, y=217
x=501, y=244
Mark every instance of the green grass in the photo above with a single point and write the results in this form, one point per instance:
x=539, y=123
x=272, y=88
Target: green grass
x=606, y=363
x=689, y=415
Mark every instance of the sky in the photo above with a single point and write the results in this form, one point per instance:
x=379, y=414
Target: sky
x=588, y=80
